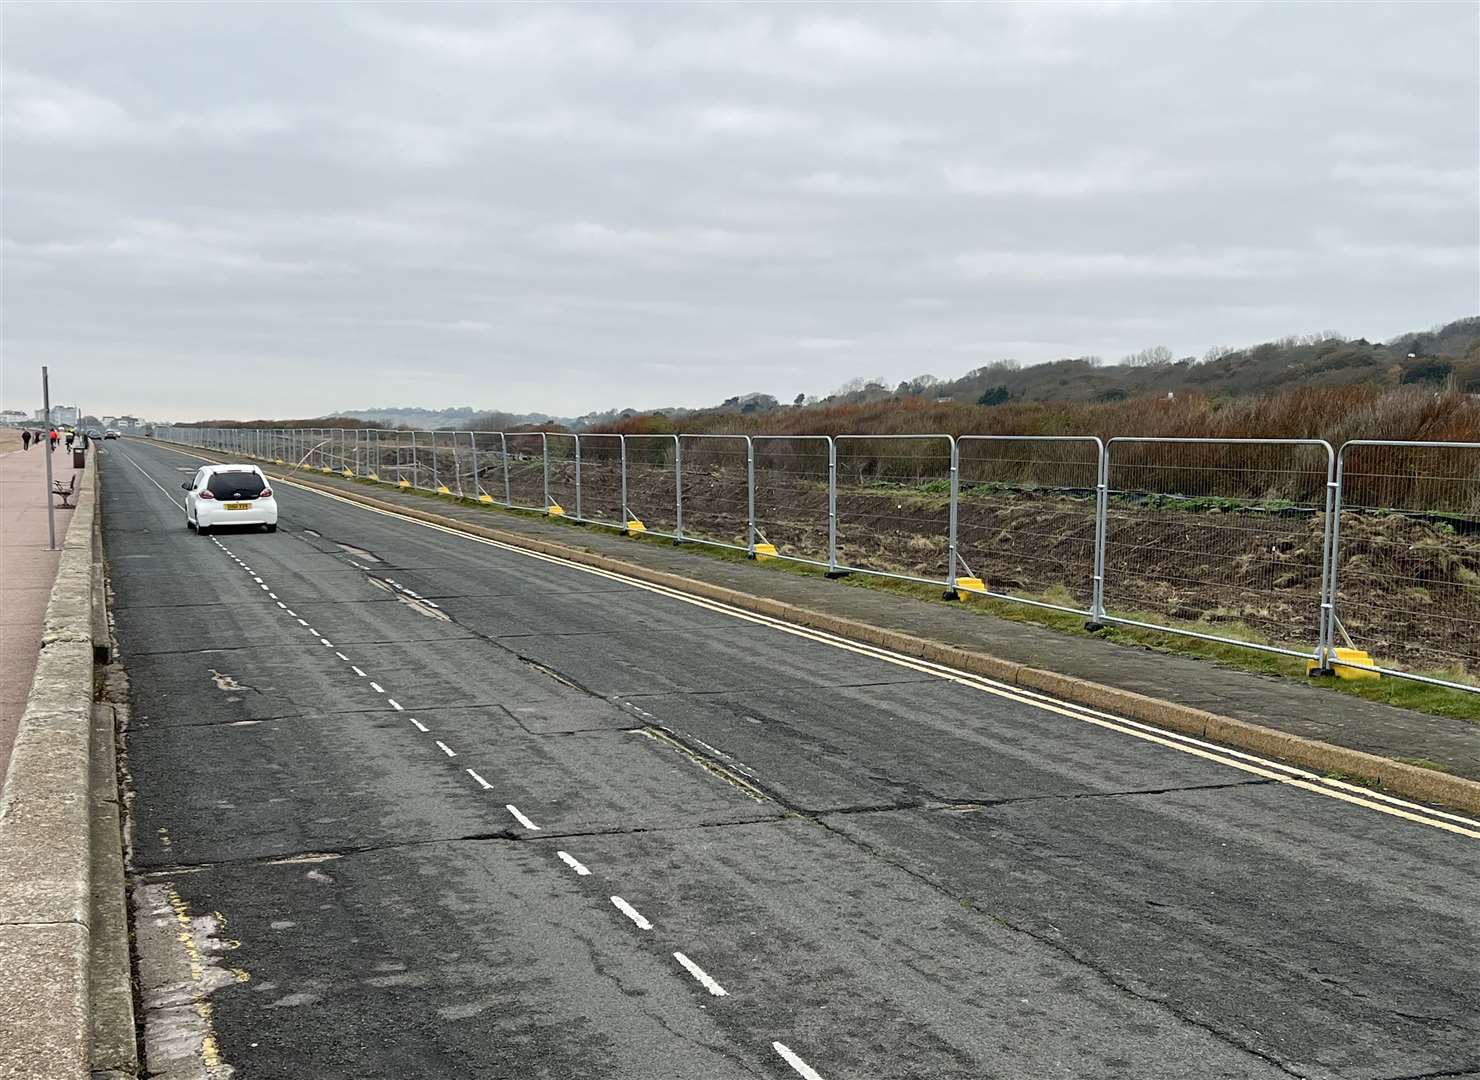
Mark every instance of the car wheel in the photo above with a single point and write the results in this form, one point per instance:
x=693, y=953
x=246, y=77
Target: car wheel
x=271, y=528
x=189, y=524
x=202, y=530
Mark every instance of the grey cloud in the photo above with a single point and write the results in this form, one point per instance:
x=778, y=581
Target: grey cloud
x=565, y=208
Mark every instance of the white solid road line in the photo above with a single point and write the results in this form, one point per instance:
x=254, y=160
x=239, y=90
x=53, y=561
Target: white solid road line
x=570, y=860
x=449, y=751
x=699, y=973
x=511, y=808
x=795, y=1062
x=631, y=913
x=1290, y=775
x=484, y=784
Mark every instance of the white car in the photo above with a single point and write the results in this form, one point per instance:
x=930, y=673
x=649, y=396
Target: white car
x=229, y=495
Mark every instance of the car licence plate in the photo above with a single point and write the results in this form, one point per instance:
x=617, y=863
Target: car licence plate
x=238, y=506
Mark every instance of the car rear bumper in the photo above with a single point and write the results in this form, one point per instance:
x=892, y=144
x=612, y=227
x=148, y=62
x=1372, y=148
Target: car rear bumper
x=260, y=514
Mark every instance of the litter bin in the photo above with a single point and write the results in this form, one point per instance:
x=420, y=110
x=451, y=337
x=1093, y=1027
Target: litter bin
x=79, y=458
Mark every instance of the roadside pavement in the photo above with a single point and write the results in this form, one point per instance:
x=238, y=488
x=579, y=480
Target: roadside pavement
x=27, y=570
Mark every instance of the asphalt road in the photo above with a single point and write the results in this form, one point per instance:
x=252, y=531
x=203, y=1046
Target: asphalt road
x=457, y=811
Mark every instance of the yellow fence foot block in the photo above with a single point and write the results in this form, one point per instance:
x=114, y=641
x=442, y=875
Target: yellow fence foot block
x=373, y=476
x=278, y=461
x=555, y=510
x=325, y=470
x=1343, y=665
x=443, y=489
x=765, y=551
x=403, y=484
x=634, y=527
x=486, y=500
x=965, y=586
x=349, y=473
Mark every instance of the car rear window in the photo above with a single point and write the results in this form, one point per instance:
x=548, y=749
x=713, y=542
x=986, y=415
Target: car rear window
x=235, y=485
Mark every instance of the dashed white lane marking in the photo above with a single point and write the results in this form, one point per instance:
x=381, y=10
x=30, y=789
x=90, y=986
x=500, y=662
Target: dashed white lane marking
x=272, y=596
x=293, y=613
x=342, y=657
x=263, y=588
x=570, y=860
x=282, y=605
x=301, y=622
x=423, y=729
x=311, y=630
x=482, y=783
x=449, y=751
x=393, y=703
x=374, y=685
x=257, y=579
x=795, y=1062
x=699, y=973
x=326, y=643
x=511, y=808
x=631, y=913
x=358, y=672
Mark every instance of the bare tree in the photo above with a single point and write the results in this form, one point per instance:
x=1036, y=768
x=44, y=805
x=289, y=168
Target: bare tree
x=1156, y=356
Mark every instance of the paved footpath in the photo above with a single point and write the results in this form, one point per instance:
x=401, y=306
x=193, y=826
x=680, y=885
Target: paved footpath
x=27, y=570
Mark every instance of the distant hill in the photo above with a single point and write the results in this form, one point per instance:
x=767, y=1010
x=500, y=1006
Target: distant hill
x=1447, y=355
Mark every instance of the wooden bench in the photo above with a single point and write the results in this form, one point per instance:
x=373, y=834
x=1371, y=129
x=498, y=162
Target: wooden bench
x=66, y=491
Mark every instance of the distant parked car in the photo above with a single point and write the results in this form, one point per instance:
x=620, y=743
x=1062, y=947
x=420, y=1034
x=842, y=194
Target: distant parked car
x=110, y=434
x=229, y=495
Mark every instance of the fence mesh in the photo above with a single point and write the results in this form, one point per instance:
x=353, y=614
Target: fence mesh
x=894, y=505
x=527, y=469
x=601, y=480
x=1408, y=563
x=1224, y=538
x=716, y=499
x=652, y=484
x=1026, y=516
x=791, y=495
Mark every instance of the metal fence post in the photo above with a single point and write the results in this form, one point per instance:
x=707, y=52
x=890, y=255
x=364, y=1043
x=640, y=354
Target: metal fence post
x=415, y=462
x=955, y=517
x=1326, y=650
x=832, y=509
x=677, y=491
x=545, y=460
x=1102, y=513
x=578, y=479
x=626, y=510
x=503, y=441
x=473, y=445
x=750, y=496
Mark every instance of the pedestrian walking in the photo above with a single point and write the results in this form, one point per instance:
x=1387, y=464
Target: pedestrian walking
x=26, y=439
x=71, y=435
x=54, y=437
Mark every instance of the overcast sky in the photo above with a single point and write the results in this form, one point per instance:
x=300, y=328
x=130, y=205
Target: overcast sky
x=285, y=209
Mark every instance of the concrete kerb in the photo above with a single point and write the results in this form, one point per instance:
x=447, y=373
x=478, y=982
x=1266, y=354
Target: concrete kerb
x=1394, y=777
x=45, y=865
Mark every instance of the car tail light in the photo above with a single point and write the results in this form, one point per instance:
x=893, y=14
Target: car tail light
x=266, y=493
x=205, y=495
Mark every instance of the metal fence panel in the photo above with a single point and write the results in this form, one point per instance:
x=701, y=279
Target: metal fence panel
x=561, y=479
x=527, y=470
x=1221, y=538
x=716, y=490
x=1406, y=568
x=893, y=505
x=603, y=482
x=652, y=483
x=793, y=496
x=1027, y=516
